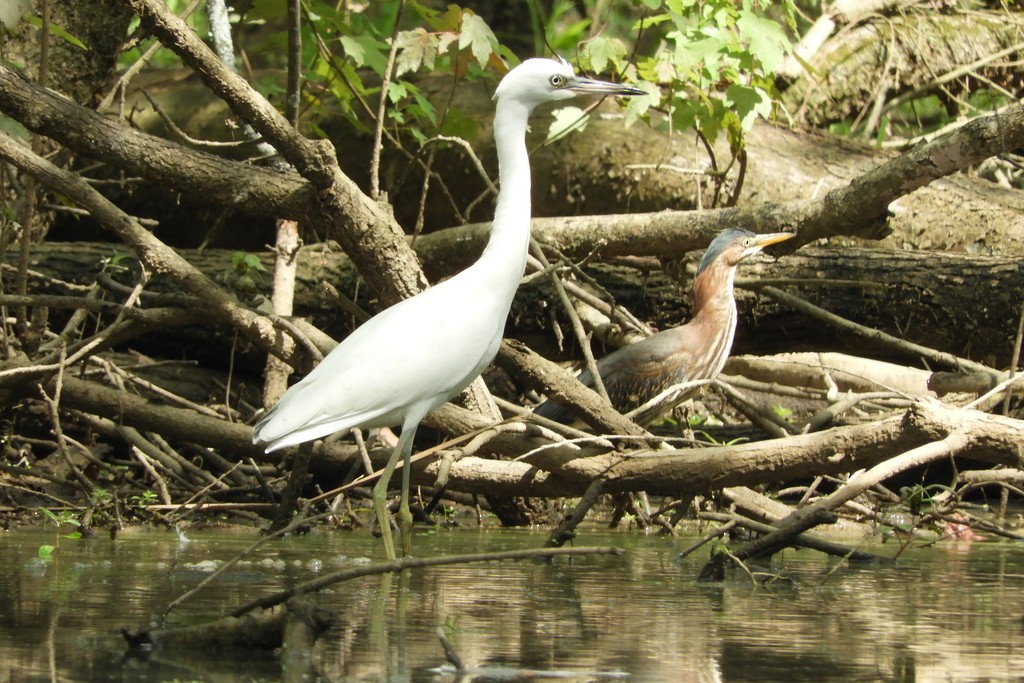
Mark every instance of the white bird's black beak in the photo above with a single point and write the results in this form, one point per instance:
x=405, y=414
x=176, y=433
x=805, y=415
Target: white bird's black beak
x=585, y=86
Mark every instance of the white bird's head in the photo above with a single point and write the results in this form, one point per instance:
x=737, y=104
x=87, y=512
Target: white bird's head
x=540, y=80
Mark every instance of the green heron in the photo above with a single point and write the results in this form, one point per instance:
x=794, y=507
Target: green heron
x=414, y=356
x=697, y=350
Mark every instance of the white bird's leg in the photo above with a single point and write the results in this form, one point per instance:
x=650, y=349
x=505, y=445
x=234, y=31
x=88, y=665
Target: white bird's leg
x=404, y=513
x=380, y=491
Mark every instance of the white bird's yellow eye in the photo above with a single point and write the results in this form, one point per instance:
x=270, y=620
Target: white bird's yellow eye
x=557, y=80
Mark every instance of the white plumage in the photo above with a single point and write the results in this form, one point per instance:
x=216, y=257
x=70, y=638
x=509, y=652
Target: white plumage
x=417, y=354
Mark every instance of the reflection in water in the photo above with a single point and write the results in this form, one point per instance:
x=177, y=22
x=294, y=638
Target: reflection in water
x=943, y=614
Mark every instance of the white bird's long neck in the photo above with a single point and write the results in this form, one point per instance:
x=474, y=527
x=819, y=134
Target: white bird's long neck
x=505, y=255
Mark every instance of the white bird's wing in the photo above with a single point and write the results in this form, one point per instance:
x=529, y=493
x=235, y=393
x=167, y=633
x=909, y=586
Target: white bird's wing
x=416, y=354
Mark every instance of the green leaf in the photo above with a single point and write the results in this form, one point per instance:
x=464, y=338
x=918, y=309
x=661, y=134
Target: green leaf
x=638, y=105
x=416, y=49
x=366, y=50
x=57, y=31
x=13, y=128
x=253, y=262
x=566, y=120
x=477, y=36
x=397, y=91
x=426, y=108
x=690, y=54
x=768, y=43
x=749, y=104
x=458, y=125
x=46, y=551
x=602, y=50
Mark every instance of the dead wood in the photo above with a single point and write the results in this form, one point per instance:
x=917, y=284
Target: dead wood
x=764, y=546
x=802, y=540
x=784, y=165
x=924, y=297
x=677, y=472
x=838, y=14
x=845, y=372
x=857, y=204
x=913, y=50
x=565, y=531
x=368, y=233
x=611, y=170
x=946, y=434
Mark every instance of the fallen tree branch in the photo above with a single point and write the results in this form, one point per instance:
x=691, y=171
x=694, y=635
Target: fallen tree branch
x=153, y=253
x=767, y=545
x=367, y=232
x=677, y=472
x=802, y=540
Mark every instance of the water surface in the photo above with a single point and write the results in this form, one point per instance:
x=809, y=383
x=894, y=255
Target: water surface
x=947, y=613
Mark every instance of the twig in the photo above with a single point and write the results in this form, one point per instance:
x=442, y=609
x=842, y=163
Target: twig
x=781, y=535
x=874, y=335
x=288, y=507
x=169, y=396
x=581, y=336
x=185, y=137
x=566, y=530
x=1015, y=359
x=491, y=187
x=378, y=131
x=137, y=66
x=54, y=406
x=707, y=538
x=952, y=75
x=299, y=519
x=147, y=464
x=293, y=85
x=449, y=651
x=771, y=423
x=828, y=414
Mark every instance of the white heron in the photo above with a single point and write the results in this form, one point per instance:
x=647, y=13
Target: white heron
x=414, y=356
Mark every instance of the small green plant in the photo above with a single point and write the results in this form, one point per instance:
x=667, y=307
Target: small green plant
x=247, y=272
x=147, y=497
x=113, y=264
x=247, y=263
x=782, y=411
x=64, y=518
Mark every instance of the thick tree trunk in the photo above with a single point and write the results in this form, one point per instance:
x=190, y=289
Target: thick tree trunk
x=966, y=305
x=610, y=169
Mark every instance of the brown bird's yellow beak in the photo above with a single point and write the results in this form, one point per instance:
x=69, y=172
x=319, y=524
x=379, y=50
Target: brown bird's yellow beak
x=762, y=241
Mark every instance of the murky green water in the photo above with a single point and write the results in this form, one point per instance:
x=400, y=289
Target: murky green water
x=950, y=613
